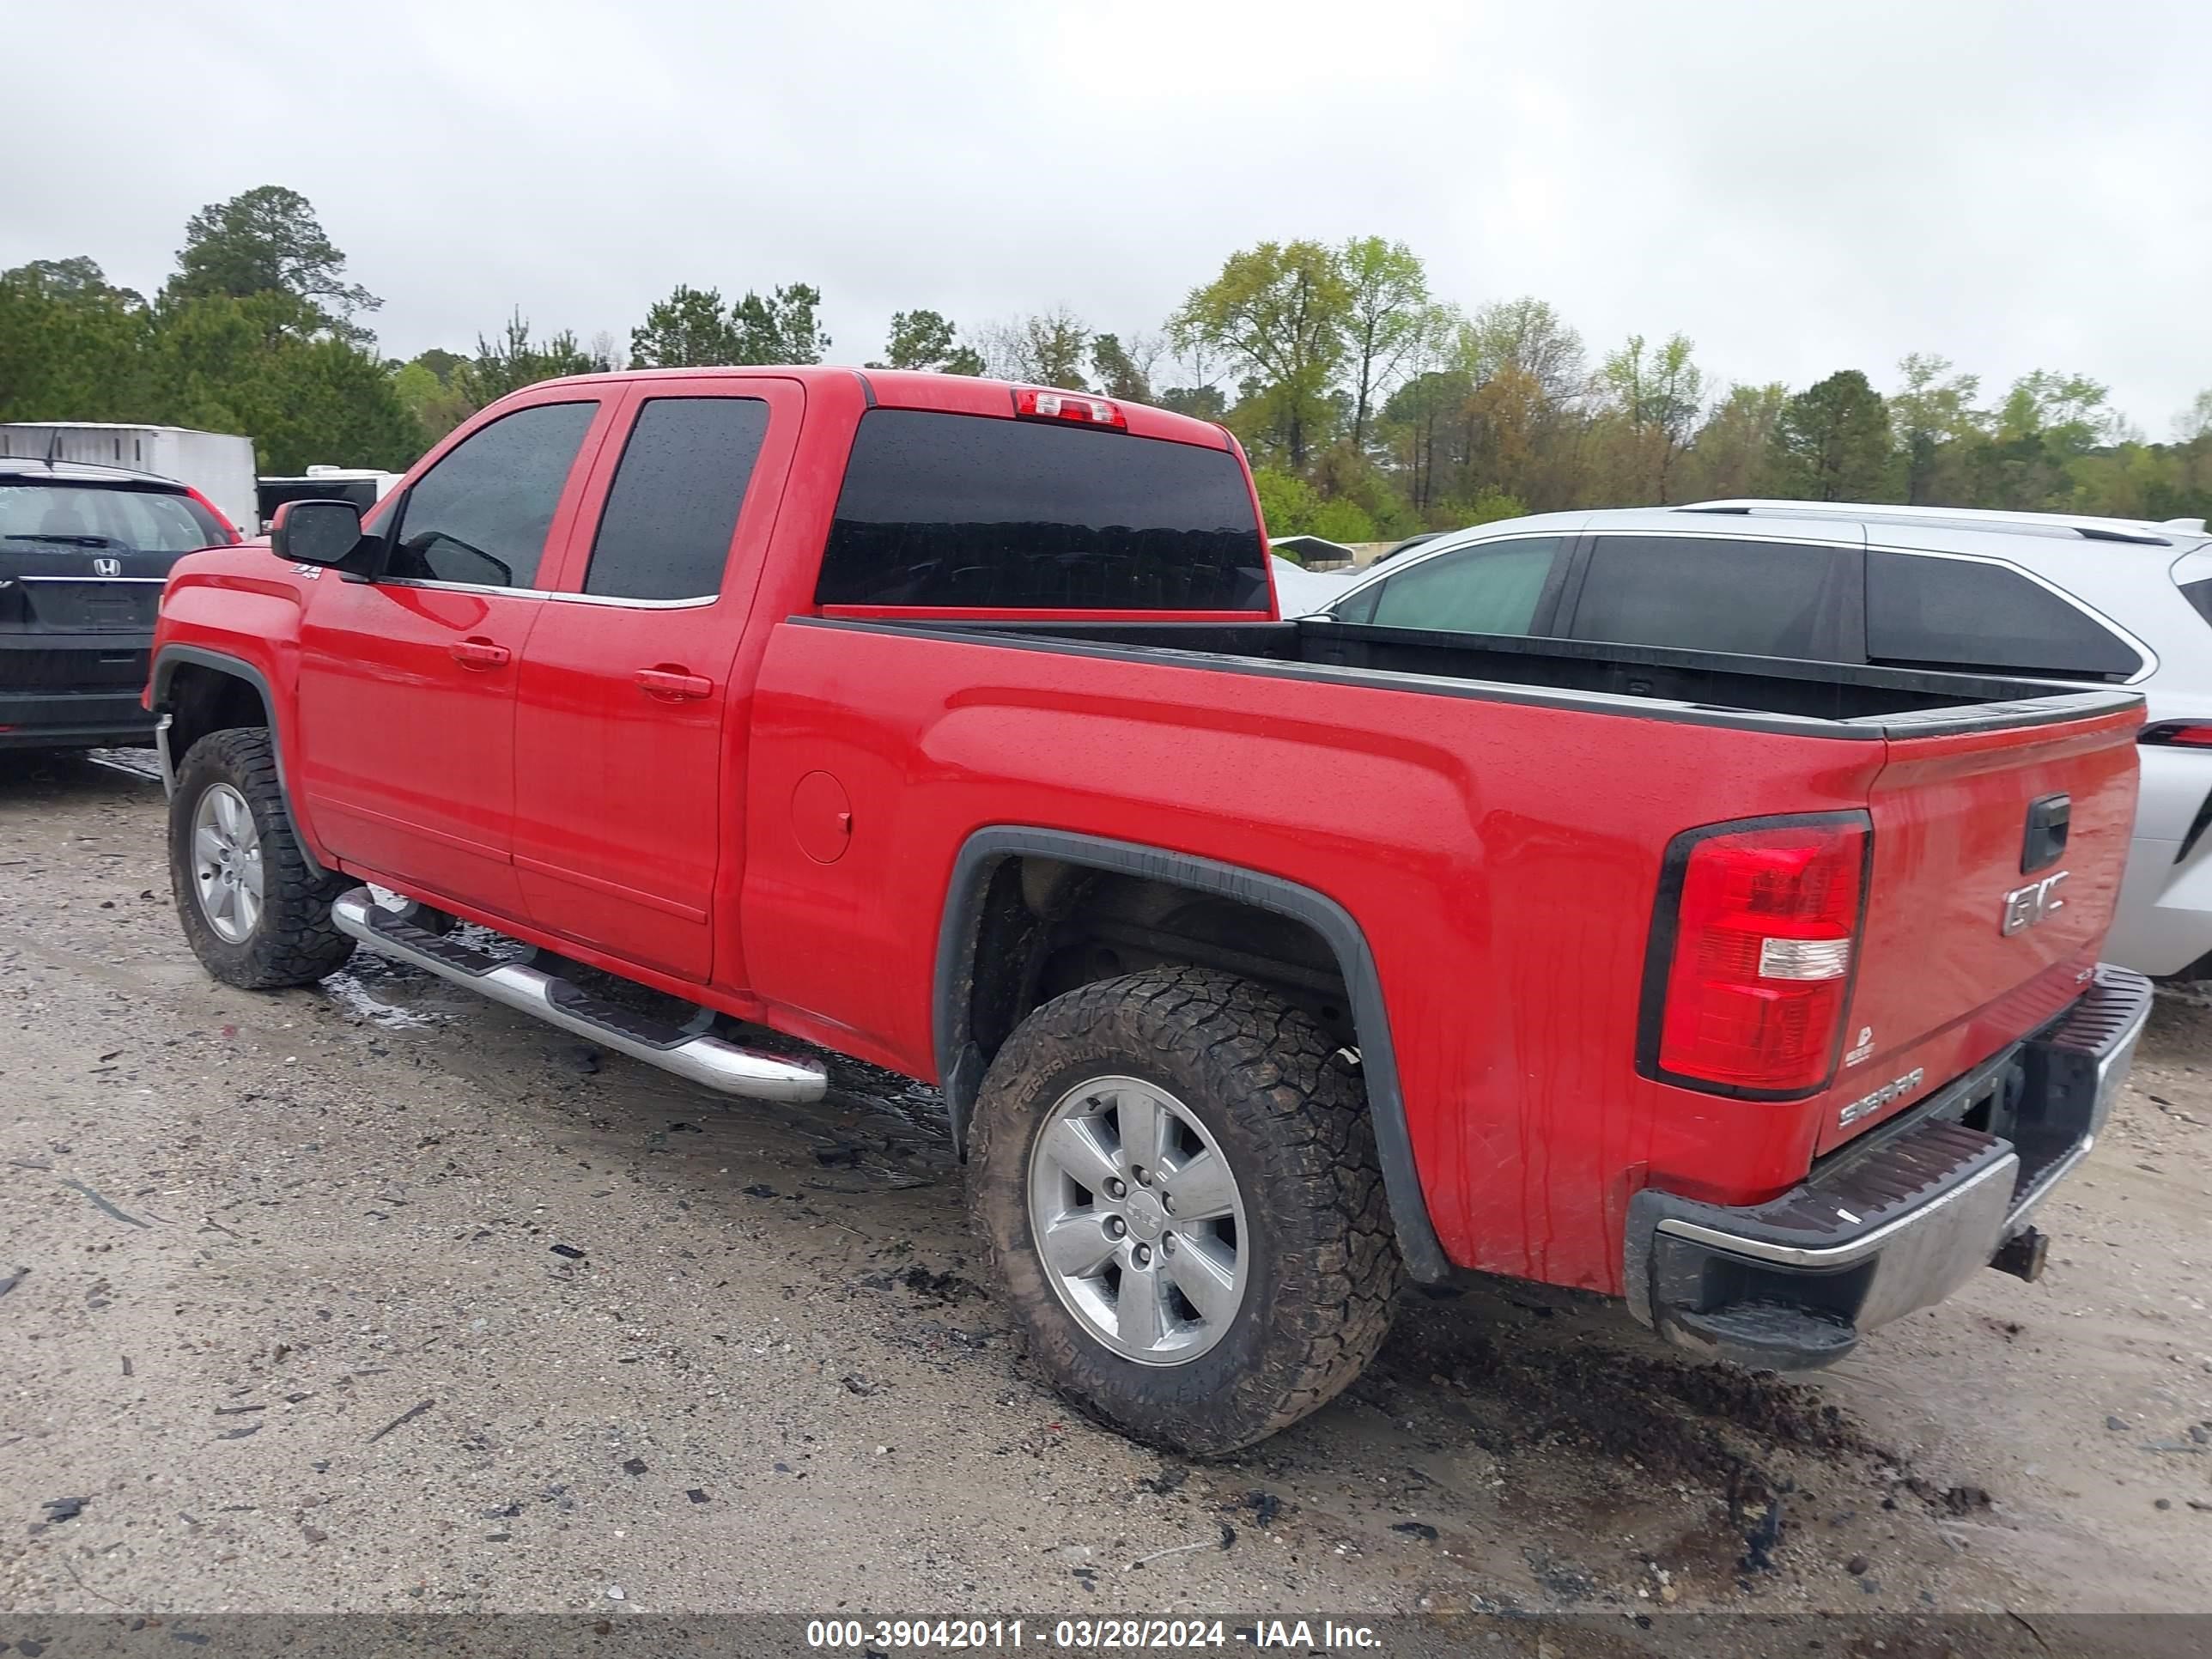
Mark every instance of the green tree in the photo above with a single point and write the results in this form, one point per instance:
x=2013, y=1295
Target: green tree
x=1281, y=311
x=268, y=241
x=1428, y=419
x=689, y=329
x=1732, y=456
x=1525, y=334
x=1344, y=475
x=2045, y=424
x=1387, y=310
x=441, y=362
x=1934, y=411
x=1287, y=502
x=925, y=340
x=72, y=346
x=79, y=278
x=1832, y=442
x=1045, y=348
x=779, y=327
x=437, y=405
x=514, y=361
x=1484, y=507
x=1657, y=398
x=2195, y=421
x=2066, y=412
x=1342, y=521
x=1203, y=402
x=1124, y=372
x=226, y=364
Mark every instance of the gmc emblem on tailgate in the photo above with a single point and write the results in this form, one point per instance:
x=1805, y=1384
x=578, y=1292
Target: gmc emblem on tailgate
x=2026, y=906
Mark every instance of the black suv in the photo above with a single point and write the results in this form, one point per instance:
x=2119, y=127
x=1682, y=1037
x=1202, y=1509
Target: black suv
x=83, y=552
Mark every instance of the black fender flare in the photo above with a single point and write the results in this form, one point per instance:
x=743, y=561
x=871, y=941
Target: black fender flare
x=960, y=1062
x=173, y=656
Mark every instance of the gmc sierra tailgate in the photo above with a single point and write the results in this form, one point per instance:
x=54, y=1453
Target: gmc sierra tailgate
x=1998, y=847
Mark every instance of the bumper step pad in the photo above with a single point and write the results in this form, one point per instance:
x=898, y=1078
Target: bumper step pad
x=685, y=1050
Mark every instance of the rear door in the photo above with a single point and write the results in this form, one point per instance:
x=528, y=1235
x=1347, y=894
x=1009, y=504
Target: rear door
x=629, y=738
x=406, y=693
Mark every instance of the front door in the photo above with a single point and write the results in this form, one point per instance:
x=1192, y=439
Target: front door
x=407, y=682
x=630, y=733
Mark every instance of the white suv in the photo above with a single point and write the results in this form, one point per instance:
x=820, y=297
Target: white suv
x=2030, y=595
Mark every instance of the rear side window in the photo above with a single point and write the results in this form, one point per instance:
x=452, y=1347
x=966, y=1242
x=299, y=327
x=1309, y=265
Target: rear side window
x=2199, y=595
x=674, y=508
x=1960, y=613
x=96, y=516
x=965, y=510
x=482, y=514
x=1493, y=589
x=1755, y=599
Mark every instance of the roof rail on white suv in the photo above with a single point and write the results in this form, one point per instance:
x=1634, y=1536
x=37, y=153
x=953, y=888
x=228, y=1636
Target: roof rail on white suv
x=2087, y=527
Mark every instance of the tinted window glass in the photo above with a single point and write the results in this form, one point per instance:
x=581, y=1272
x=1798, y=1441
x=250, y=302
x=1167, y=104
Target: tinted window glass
x=1955, y=613
x=1477, y=590
x=1360, y=607
x=93, y=517
x=481, y=513
x=1758, y=599
x=966, y=510
x=674, y=508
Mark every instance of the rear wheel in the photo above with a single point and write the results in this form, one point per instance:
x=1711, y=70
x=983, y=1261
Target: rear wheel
x=255, y=912
x=1178, y=1187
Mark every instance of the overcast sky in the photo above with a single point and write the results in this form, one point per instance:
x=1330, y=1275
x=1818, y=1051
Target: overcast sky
x=1799, y=187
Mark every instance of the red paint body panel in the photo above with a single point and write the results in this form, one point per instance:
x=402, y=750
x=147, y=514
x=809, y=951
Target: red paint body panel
x=781, y=847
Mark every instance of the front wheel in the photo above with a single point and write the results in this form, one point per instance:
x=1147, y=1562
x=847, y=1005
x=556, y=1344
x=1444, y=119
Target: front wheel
x=255, y=912
x=1178, y=1187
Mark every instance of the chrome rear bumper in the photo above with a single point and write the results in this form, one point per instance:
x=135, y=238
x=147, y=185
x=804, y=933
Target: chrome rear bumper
x=1894, y=1224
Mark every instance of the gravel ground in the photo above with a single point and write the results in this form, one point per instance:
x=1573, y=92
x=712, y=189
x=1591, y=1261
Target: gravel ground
x=378, y=1296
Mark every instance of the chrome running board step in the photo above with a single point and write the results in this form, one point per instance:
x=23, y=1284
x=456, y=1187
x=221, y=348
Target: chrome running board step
x=687, y=1051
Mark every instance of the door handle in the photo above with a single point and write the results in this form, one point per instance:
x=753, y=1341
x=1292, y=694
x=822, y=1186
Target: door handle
x=480, y=653
x=674, y=683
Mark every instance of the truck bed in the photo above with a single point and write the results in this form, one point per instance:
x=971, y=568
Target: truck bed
x=1704, y=687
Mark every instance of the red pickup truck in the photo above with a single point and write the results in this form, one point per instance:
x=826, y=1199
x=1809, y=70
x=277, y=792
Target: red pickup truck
x=1261, y=963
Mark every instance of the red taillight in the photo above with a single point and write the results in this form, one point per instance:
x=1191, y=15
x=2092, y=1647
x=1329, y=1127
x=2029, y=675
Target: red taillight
x=1032, y=404
x=2180, y=733
x=1759, y=961
x=229, y=530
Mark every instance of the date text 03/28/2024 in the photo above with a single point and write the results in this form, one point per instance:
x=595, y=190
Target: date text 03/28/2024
x=1084, y=1634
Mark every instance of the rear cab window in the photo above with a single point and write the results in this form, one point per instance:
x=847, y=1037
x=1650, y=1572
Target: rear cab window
x=971, y=511
x=1931, y=610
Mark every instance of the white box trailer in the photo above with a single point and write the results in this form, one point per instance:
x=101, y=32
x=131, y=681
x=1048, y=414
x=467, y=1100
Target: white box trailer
x=364, y=486
x=218, y=464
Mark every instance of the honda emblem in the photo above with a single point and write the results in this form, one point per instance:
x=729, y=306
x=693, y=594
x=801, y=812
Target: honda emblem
x=108, y=567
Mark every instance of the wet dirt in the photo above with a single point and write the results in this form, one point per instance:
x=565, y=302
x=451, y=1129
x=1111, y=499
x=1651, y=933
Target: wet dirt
x=459, y=1272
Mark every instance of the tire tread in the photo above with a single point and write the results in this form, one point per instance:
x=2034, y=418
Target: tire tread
x=1278, y=1076
x=296, y=943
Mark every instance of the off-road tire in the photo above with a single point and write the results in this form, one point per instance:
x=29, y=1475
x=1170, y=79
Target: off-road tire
x=1292, y=1118
x=294, y=941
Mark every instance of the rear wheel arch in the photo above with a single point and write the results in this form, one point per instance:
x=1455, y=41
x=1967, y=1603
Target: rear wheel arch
x=1008, y=884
